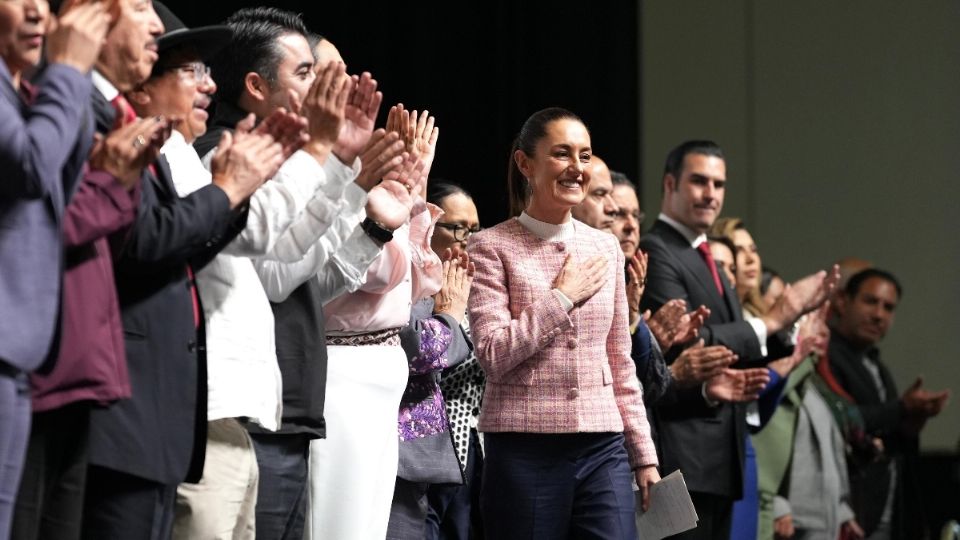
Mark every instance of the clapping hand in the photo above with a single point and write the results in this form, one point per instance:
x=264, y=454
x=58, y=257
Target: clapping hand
x=382, y=155
x=637, y=273
x=672, y=325
x=243, y=163
x=360, y=114
x=738, y=385
x=390, y=202
x=324, y=107
x=417, y=131
x=287, y=128
x=128, y=149
x=457, y=278
x=697, y=364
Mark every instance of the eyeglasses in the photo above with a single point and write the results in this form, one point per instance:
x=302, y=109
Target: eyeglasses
x=460, y=232
x=199, y=70
x=622, y=214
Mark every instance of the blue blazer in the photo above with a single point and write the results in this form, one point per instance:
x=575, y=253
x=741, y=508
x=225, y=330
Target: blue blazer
x=43, y=148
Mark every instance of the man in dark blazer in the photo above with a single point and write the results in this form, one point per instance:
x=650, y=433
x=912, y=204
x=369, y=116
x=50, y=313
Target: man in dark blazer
x=886, y=497
x=142, y=448
x=703, y=438
x=45, y=136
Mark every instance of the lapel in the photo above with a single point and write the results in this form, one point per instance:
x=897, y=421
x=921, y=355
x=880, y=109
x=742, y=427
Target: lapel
x=103, y=112
x=700, y=275
x=163, y=180
x=861, y=385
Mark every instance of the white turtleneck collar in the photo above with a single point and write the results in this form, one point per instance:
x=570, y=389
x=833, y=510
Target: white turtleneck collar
x=547, y=231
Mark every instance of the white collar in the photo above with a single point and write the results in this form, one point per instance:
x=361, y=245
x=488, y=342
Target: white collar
x=106, y=88
x=688, y=233
x=547, y=231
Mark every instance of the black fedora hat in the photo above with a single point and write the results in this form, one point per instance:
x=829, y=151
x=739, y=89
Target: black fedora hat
x=207, y=40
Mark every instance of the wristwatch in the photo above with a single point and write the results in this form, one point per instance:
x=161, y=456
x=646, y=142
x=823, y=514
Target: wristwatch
x=376, y=231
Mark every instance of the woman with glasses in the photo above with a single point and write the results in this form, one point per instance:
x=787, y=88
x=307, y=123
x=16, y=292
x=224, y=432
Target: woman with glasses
x=452, y=513
x=565, y=430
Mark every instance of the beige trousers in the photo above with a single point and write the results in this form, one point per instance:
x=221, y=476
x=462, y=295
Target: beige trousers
x=222, y=506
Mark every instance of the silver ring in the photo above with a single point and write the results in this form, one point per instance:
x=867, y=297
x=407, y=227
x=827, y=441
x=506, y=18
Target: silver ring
x=139, y=141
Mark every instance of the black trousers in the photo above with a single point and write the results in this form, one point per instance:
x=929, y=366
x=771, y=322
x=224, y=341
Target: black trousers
x=50, y=499
x=716, y=516
x=120, y=506
x=557, y=486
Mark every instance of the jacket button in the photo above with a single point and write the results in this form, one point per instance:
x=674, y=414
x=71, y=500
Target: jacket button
x=561, y=246
x=191, y=346
x=572, y=344
x=573, y=393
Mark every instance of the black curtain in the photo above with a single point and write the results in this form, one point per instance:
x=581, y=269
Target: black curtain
x=482, y=68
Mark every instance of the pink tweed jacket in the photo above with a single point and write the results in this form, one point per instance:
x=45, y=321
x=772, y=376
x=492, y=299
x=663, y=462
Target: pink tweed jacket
x=549, y=371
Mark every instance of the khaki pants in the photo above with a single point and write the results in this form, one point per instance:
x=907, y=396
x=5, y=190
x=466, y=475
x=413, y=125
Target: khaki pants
x=222, y=506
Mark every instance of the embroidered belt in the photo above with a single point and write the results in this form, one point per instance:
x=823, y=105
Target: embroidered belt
x=390, y=336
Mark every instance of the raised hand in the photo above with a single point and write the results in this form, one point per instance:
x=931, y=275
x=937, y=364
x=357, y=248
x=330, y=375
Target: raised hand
x=324, y=108
x=800, y=297
x=737, y=385
x=241, y=165
x=390, y=202
x=382, y=156
x=360, y=113
x=580, y=281
x=417, y=131
x=697, y=364
x=75, y=39
x=671, y=324
x=457, y=278
x=128, y=149
x=637, y=282
x=287, y=128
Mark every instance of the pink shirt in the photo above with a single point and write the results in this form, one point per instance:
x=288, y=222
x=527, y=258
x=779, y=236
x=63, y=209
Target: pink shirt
x=406, y=271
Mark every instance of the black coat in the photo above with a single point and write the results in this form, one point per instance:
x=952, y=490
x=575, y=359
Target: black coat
x=706, y=443
x=160, y=432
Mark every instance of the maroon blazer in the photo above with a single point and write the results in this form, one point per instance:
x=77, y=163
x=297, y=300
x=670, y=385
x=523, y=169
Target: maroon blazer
x=549, y=371
x=92, y=363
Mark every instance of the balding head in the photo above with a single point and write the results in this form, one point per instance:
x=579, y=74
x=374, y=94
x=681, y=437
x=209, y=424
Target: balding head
x=597, y=209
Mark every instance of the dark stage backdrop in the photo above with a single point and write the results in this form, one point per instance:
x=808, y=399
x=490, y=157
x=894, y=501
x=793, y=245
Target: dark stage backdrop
x=482, y=68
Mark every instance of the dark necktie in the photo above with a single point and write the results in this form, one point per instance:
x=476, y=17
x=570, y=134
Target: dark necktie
x=704, y=249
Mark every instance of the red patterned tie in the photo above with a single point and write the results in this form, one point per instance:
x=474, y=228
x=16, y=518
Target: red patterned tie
x=704, y=249
x=125, y=112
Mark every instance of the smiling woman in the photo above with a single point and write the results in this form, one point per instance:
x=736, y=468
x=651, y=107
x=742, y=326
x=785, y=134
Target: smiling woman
x=548, y=311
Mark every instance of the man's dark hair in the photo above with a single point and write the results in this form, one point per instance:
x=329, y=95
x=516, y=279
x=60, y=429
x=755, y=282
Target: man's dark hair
x=766, y=277
x=857, y=280
x=620, y=179
x=674, y=164
x=253, y=48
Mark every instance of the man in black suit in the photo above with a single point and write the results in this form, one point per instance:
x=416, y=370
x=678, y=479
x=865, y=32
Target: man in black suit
x=141, y=448
x=886, y=498
x=703, y=438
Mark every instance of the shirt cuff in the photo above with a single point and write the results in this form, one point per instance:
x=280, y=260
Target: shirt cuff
x=760, y=330
x=339, y=175
x=706, y=399
x=564, y=301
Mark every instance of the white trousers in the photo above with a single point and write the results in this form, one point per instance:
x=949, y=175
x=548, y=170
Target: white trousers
x=353, y=470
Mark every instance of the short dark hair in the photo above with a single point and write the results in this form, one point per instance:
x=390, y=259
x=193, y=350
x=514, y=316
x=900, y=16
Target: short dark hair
x=674, y=164
x=253, y=48
x=530, y=134
x=857, y=280
x=438, y=190
x=620, y=179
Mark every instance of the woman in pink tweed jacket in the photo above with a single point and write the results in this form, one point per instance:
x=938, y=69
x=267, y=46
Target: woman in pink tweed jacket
x=563, y=411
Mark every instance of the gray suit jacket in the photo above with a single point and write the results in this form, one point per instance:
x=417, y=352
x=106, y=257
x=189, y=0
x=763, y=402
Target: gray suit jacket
x=43, y=148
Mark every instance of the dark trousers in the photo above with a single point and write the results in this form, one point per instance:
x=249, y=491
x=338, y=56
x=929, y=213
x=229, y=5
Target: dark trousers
x=556, y=486
x=715, y=515
x=454, y=512
x=50, y=500
x=119, y=506
x=282, y=493
x=408, y=511
x=14, y=432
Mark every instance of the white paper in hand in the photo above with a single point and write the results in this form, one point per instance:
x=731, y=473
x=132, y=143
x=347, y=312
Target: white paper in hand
x=671, y=510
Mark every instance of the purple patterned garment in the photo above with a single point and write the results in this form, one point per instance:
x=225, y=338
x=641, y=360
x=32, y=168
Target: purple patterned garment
x=422, y=411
